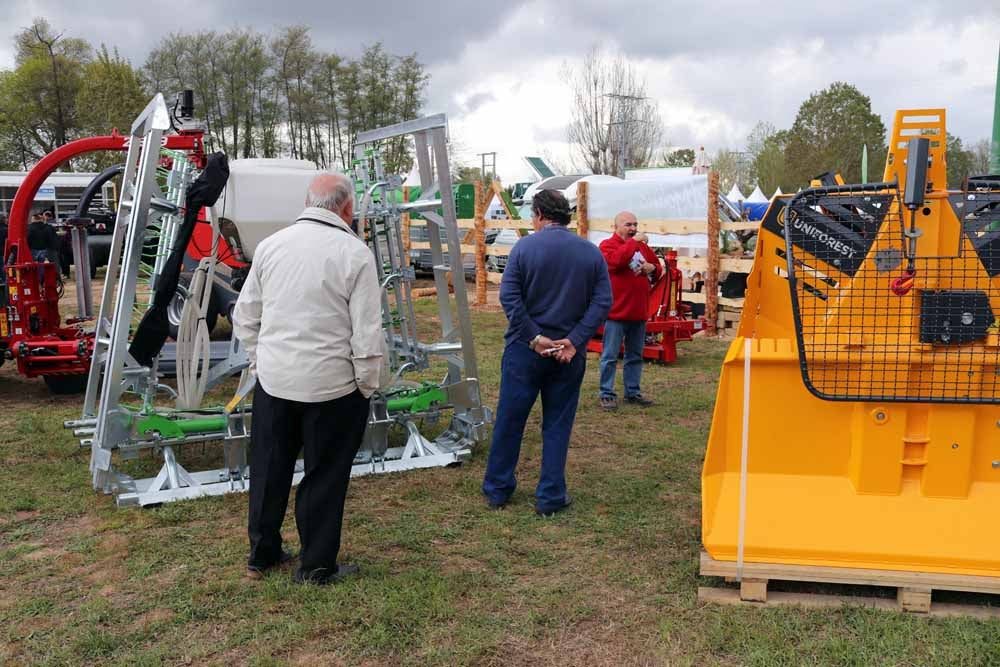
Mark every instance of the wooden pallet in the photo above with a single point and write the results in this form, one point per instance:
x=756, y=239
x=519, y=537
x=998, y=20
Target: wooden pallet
x=913, y=589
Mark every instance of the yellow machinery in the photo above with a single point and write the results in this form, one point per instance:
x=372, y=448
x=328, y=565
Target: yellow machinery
x=857, y=422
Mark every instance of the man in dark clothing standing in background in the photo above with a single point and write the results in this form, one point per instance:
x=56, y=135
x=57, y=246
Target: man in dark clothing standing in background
x=555, y=293
x=42, y=240
x=632, y=266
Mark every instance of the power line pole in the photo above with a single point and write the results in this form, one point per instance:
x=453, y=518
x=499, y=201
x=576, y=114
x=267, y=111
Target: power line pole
x=493, y=165
x=624, y=107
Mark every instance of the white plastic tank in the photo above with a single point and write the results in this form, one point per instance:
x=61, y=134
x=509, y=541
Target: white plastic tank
x=263, y=196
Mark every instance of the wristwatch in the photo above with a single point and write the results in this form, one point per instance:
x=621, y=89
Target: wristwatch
x=534, y=342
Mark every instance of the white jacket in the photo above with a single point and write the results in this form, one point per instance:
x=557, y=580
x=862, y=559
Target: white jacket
x=310, y=313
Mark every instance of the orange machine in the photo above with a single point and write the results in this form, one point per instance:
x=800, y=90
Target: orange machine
x=857, y=421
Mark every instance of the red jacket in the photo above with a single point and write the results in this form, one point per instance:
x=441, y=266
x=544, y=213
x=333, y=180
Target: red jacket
x=631, y=292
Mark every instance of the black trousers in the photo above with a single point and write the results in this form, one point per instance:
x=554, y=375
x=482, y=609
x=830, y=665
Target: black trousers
x=330, y=434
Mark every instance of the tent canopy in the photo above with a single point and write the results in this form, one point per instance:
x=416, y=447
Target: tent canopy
x=757, y=197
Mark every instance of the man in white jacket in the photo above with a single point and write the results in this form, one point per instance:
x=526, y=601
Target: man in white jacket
x=310, y=319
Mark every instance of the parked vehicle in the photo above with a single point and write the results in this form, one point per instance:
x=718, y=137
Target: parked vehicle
x=499, y=238
x=420, y=259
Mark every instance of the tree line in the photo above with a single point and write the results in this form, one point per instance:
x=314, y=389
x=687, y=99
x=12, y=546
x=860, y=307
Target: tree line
x=830, y=131
x=258, y=95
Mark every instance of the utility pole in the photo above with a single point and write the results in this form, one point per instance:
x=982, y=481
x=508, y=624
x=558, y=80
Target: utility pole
x=493, y=166
x=624, y=107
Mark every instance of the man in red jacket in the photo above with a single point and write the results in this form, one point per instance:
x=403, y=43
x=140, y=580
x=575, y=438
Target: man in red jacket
x=632, y=267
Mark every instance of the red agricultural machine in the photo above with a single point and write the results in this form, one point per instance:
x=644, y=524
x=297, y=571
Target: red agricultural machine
x=669, y=320
x=31, y=329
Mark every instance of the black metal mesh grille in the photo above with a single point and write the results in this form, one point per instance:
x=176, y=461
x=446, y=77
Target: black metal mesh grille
x=868, y=329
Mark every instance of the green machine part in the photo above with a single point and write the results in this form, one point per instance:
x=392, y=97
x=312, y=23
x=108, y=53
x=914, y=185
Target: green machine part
x=410, y=400
x=178, y=428
x=417, y=400
x=465, y=200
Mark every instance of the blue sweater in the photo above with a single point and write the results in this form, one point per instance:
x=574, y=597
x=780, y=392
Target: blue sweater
x=555, y=284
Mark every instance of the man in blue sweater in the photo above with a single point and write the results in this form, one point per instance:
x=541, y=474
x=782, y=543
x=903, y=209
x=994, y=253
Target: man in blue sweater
x=555, y=292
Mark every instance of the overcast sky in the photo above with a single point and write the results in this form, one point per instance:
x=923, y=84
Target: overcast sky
x=714, y=68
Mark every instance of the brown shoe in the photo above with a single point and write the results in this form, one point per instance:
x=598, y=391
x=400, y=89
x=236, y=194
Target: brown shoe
x=609, y=403
x=258, y=572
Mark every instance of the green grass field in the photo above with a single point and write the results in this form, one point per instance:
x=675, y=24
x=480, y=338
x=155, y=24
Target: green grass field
x=445, y=580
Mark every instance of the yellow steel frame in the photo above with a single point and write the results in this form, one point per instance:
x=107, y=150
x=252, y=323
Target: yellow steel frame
x=901, y=486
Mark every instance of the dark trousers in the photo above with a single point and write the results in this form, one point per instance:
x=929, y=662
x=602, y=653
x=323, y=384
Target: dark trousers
x=329, y=433
x=523, y=376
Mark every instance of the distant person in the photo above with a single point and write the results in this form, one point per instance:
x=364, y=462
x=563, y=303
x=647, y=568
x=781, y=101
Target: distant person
x=3, y=231
x=42, y=240
x=49, y=217
x=555, y=293
x=633, y=268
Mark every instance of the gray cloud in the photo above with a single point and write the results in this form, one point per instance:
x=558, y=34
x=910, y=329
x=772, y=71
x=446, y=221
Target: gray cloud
x=716, y=69
x=477, y=100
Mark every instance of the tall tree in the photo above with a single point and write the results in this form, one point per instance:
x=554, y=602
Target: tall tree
x=726, y=162
x=769, y=164
x=959, y=160
x=110, y=97
x=610, y=107
x=110, y=94
x=39, y=105
x=282, y=96
x=829, y=132
x=980, y=157
x=294, y=58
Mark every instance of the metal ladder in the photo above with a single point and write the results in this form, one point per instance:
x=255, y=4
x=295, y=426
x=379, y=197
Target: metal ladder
x=106, y=421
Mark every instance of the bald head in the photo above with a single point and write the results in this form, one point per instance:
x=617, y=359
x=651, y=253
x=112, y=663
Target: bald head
x=334, y=192
x=626, y=225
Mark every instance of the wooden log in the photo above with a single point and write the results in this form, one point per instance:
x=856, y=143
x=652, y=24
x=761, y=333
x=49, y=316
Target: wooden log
x=653, y=225
x=480, y=231
x=425, y=245
x=736, y=264
x=405, y=221
x=582, y=221
x=712, y=271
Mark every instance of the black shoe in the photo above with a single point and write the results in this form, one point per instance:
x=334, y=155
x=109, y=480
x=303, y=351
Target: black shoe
x=257, y=572
x=639, y=400
x=494, y=505
x=323, y=576
x=552, y=512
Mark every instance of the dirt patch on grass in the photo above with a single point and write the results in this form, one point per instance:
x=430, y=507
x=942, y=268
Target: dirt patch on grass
x=43, y=553
x=153, y=617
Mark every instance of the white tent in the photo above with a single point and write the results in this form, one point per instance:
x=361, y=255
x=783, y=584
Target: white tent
x=570, y=190
x=756, y=197
x=670, y=197
x=658, y=173
x=735, y=195
x=777, y=193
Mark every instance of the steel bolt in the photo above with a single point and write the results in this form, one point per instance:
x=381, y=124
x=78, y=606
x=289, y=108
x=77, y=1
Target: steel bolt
x=996, y=464
x=954, y=445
